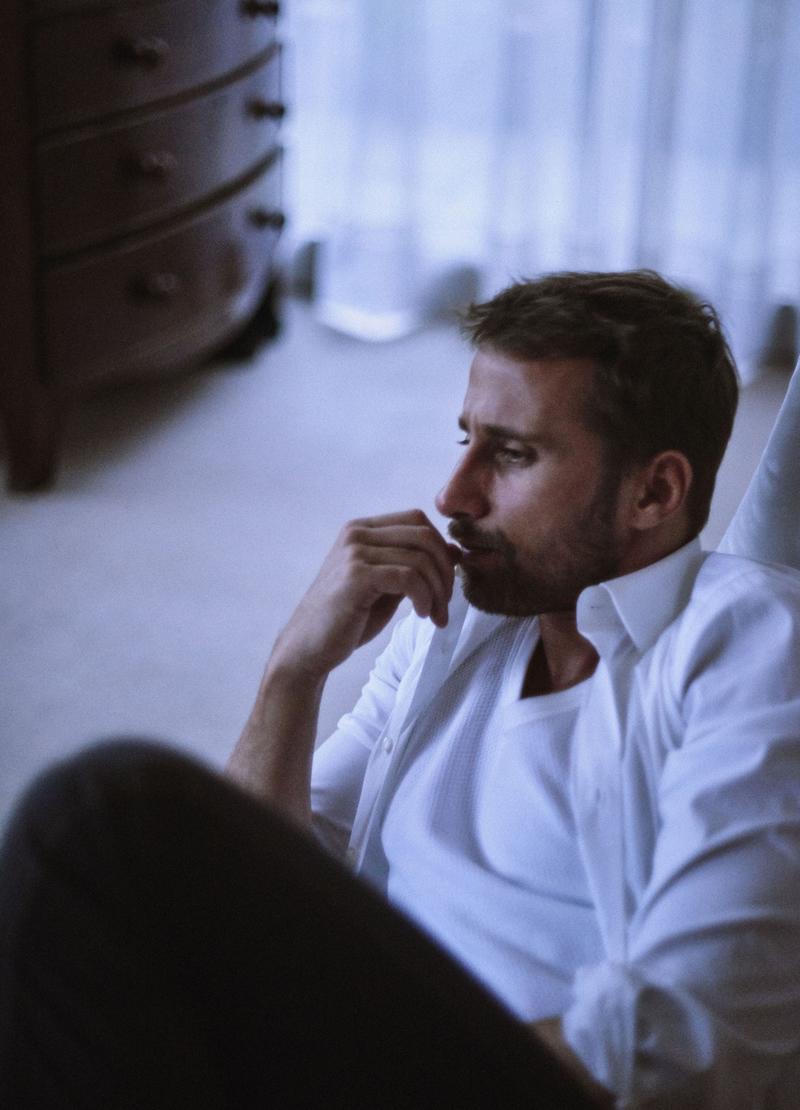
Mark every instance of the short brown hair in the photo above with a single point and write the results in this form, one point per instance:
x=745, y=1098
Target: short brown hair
x=664, y=377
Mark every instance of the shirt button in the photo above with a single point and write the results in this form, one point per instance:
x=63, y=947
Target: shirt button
x=388, y=743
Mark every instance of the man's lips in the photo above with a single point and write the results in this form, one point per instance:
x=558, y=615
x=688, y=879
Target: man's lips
x=470, y=552
x=469, y=541
x=474, y=547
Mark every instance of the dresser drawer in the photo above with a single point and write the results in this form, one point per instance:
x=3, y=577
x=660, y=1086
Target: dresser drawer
x=104, y=183
x=113, y=316
x=90, y=64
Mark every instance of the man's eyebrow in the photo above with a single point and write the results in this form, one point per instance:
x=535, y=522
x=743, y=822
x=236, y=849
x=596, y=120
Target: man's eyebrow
x=499, y=431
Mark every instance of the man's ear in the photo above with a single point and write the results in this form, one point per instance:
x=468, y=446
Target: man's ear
x=660, y=489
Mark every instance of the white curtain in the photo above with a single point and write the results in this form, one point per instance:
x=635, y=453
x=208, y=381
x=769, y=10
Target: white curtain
x=441, y=148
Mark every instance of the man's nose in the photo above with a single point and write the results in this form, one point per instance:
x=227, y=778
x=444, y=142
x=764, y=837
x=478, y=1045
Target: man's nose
x=465, y=493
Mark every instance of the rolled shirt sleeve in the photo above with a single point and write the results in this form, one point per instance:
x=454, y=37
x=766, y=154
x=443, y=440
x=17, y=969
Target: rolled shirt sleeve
x=705, y=1009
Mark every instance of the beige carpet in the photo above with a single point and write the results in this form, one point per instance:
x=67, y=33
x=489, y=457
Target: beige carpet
x=141, y=595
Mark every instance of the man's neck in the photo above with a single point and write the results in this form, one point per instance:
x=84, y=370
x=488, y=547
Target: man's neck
x=562, y=657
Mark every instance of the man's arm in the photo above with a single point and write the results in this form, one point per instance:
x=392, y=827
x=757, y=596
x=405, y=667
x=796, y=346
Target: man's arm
x=373, y=565
x=273, y=755
x=703, y=1008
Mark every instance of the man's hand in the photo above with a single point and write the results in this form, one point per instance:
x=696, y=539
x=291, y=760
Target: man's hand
x=373, y=565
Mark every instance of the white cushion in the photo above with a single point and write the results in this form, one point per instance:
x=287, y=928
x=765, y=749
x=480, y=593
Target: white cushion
x=766, y=526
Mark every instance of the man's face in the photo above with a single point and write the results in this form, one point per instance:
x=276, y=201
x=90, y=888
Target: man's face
x=531, y=502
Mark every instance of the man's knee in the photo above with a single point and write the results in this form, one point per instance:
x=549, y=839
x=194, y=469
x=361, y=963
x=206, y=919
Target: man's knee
x=102, y=785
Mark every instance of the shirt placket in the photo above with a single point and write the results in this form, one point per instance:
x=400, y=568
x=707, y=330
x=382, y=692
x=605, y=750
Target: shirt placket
x=378, y=782
x=599, y=797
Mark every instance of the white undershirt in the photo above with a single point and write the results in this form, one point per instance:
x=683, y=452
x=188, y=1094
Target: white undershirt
x=482, y=818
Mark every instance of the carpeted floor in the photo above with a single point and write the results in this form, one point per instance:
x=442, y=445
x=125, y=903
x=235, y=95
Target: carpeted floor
x=141, y=595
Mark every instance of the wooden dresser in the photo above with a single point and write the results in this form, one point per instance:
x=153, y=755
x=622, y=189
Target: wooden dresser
x=141, y=196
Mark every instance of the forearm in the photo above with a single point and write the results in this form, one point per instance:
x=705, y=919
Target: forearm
x=273, y=756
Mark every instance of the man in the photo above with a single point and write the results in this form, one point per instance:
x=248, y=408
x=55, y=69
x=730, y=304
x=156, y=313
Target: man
x=579, y=776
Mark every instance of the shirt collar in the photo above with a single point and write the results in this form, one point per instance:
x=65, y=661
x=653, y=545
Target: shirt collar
x=641, y=605
x=469, y=628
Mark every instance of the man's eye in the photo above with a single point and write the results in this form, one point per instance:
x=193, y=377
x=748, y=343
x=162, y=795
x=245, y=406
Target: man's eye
x=511, y=455
x=463, y=442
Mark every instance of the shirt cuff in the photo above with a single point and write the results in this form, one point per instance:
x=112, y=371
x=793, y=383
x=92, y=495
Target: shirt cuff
x=657, y=1045
x=598, y=1026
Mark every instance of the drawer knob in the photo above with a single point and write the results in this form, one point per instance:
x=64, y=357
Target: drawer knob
x=142, y=51
x=156, y=164
x=261, y=7
x=267, y=217
x=156, y=286
x=266, y=109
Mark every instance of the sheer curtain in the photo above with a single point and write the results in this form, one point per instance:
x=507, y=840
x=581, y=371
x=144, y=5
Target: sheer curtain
x=440, y=148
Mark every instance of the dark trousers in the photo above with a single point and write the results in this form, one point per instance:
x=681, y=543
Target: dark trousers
x=168, y=941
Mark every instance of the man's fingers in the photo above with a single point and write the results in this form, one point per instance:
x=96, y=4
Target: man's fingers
x=407, y=516
x=418, y=560
x=398, y=554
x=406, y=536
x=407, y=582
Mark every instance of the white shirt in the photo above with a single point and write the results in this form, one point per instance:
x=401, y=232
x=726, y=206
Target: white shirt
x=685, y=788
x=480, y=765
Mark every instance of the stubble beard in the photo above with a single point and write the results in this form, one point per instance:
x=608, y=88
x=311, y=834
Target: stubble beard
x=587, y=552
